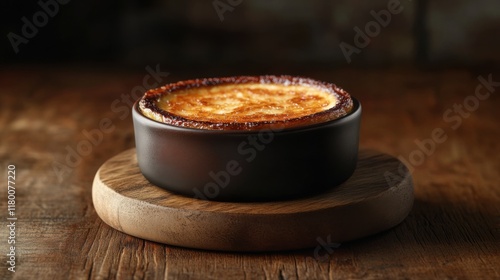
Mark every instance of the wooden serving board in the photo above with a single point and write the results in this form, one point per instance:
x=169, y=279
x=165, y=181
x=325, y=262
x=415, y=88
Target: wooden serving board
x=377, y=197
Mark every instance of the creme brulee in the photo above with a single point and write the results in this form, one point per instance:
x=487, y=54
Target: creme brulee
x=247, y=102
x=245, y=105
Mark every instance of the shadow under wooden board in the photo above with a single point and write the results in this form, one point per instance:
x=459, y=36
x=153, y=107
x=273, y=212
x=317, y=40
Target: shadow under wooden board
x=377, y=197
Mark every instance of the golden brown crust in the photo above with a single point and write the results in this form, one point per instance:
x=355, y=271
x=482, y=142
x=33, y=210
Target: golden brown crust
x=148, y=105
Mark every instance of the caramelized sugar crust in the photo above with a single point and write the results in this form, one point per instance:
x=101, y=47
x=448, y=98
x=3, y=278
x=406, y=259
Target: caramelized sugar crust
x=246, y=103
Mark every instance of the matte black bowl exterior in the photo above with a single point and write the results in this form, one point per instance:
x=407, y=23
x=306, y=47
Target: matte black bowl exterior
x=247, y=165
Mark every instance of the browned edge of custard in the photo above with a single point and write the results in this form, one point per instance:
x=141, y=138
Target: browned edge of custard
x=343, y=106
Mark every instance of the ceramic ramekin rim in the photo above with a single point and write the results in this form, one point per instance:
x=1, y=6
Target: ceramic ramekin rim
x=353, y=114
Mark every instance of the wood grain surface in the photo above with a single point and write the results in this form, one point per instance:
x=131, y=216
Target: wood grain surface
x=367, y=203
x=452, y=231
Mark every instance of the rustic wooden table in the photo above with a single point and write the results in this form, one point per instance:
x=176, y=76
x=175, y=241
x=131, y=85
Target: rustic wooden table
x=58, y=125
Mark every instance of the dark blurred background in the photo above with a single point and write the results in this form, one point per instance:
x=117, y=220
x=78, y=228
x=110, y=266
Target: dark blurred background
x=245, y=33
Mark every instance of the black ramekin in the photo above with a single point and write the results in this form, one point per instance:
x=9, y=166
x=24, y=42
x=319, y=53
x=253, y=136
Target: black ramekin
x=247, y=165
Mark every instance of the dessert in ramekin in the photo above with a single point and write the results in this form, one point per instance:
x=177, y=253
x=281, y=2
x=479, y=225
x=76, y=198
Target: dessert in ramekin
x=247, y=138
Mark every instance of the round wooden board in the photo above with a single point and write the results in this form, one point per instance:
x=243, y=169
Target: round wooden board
x=378, y=196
